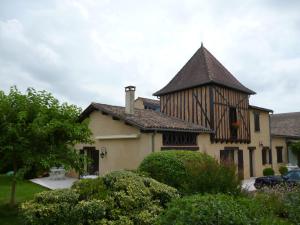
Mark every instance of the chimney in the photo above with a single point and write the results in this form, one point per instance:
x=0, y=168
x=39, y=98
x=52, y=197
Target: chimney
x=129, y=99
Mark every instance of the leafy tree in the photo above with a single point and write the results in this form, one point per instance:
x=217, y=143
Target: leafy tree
x=295, y=146
x=36, y=130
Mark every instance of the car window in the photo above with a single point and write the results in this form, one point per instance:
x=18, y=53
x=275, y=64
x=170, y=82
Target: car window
x=294, y=175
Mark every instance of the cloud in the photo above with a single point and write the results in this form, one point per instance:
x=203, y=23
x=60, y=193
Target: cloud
x=84, y=51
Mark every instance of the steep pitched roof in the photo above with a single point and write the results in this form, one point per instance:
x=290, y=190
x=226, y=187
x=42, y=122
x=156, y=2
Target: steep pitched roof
x=202, y=68
x=147, y=120
x=286, y=125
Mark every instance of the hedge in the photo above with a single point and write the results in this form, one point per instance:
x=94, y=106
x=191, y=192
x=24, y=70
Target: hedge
x=190, y=172
x=268, y=172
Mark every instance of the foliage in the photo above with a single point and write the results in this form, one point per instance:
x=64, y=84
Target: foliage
x=283, y=170
x=268, y=172
x=190, y=172
x=10, y=215
x=296, y=149
x=118, y=198
x=35, y=129
x=215, y=209
x=283, y=200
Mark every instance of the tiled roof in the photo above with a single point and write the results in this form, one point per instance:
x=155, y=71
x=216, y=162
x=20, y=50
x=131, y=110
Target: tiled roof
x=150, y=101
x=203, y=68
x=286, y=124
x=260, y=108
x=147, y=120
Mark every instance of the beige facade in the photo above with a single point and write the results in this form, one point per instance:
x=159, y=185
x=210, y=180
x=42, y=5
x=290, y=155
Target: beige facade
x=126, y=146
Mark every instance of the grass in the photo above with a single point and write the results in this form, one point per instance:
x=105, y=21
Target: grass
x=25, y=190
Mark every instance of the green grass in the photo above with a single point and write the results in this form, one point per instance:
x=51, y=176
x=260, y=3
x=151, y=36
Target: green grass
x=25, y=190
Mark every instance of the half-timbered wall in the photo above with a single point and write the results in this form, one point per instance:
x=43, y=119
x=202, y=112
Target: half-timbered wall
x=209, y=106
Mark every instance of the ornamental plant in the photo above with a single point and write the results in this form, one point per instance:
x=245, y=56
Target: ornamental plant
x=191, y=172
x=268, y=172
x=118, y=198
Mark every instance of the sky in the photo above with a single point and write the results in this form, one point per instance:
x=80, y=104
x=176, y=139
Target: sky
x=89, y=50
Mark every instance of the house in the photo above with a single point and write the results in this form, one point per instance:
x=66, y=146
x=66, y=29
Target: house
x=203, y=108
x=285, y=129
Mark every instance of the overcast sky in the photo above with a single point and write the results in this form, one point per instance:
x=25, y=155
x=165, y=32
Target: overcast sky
x=84, y=51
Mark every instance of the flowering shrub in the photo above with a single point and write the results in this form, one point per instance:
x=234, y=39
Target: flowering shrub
x=120, y=198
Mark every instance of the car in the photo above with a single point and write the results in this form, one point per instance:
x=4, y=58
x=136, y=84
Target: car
x=292, y=178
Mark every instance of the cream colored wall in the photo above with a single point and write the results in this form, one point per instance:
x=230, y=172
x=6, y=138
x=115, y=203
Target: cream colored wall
x=259, y=139
x=279, y=142
x=138, y=104
x=121, y=153
x=213, y=150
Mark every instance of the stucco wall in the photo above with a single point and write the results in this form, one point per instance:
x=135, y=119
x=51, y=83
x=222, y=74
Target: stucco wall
x=279, y=142
x=259, y=139
x=121, y=153
x=138, y=104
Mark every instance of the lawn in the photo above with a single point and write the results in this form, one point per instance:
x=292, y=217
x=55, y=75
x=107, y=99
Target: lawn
x=24, y=191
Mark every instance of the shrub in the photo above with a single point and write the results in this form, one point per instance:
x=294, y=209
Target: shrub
x=118, y=198
x=268, y=172
x=283, y=170
x=217, y=209
x=291, y=204
x=190, y=172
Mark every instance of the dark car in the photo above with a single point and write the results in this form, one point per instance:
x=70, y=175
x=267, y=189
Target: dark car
x=291, y=178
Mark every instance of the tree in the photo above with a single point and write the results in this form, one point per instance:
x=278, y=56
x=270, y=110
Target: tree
x=295, y=146
x=35, y=129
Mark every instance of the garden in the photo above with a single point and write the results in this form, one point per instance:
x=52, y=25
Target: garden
x=169, y=187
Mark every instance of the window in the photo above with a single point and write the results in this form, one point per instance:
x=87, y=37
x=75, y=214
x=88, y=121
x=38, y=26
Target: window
x=232, y=120
x=279, y=154
x=266, y=155
x=179, y=139
x=256, y=122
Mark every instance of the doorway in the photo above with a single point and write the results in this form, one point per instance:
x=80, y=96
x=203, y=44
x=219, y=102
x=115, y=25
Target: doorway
x=251, y=161
x=93, y=160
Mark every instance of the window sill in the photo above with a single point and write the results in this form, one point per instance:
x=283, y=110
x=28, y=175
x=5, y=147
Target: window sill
x=192, y=148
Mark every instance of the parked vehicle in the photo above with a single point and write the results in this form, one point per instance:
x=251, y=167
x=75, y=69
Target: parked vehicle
x=291, y=178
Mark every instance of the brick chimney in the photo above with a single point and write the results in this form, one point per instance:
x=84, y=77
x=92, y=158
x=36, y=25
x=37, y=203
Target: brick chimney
x=129, y=99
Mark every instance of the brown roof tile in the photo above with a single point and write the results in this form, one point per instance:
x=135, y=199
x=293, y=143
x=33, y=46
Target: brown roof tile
x=286, y=124
x=147, y=120
x=150, y=101
x=202, y=68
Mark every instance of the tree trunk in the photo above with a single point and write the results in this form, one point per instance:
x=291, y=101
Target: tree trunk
x=13, y=184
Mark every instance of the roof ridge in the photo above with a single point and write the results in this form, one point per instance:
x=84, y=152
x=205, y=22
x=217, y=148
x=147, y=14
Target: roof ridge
x=205, y=62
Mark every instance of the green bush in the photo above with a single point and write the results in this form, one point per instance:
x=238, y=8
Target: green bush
x=291, y=204
x=119, y=198
x=217, y=209
x=268, y=172
x=283, y=170
x=190, y=172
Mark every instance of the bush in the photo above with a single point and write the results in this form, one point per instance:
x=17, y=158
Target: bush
x=268, y=172
x=51, y=207
x=283, y=170
x=291, y=204
x=190, y=172
x=118, y=198
x=217, y=209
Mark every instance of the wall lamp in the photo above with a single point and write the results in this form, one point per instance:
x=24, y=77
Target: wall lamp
x=103, y=152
